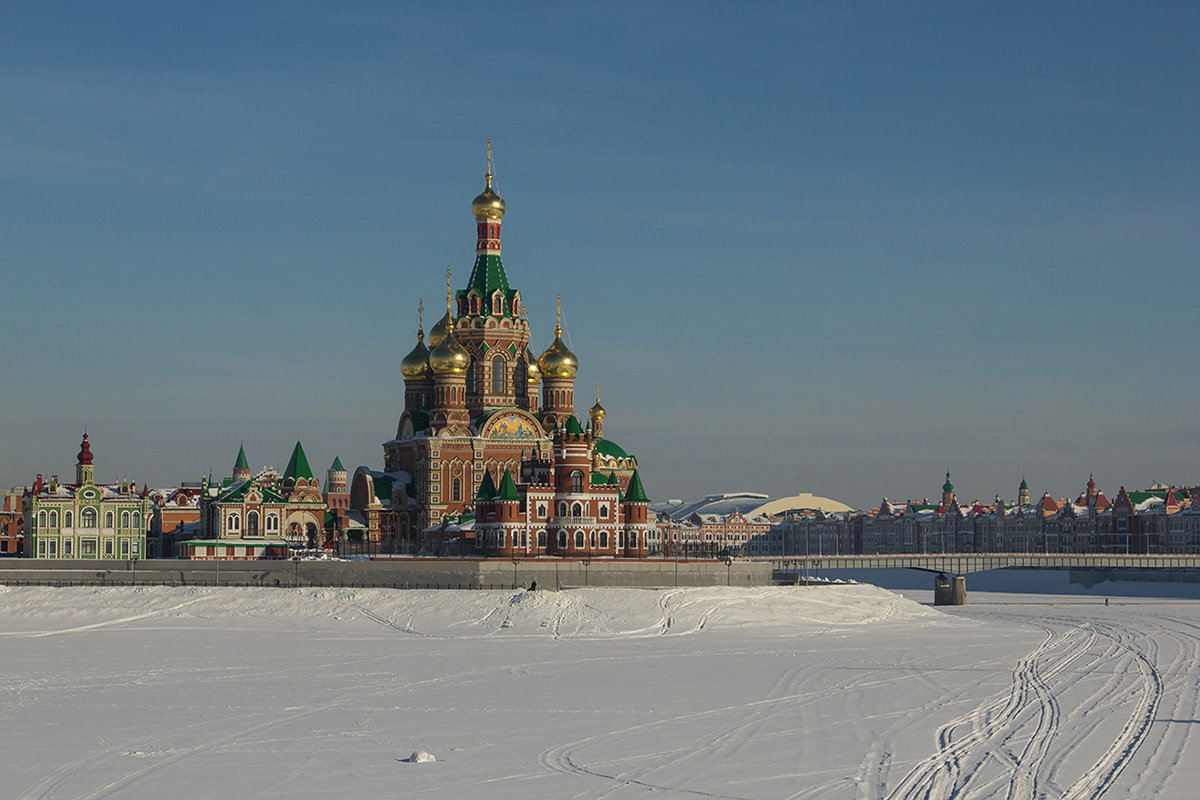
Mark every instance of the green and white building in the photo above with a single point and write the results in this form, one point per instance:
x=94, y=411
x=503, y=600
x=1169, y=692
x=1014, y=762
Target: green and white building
x=85, y=519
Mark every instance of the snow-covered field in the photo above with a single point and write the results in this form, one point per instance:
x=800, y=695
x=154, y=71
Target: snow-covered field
x=801, y=692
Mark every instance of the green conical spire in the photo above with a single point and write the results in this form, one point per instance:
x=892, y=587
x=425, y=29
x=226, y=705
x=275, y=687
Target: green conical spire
x=635, y=493
x=573, y=425
x=241, y=462
x=337, y=465
x=508, y=488
x=487, y=488
x=298, y=465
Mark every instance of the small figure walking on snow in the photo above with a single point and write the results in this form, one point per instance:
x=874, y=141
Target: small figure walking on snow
x=1106, y=601
x=533, y=586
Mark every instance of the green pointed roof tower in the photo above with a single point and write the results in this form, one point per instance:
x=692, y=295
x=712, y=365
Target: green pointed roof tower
x=298, y=465
x=635, y=493
x=508, y=488
x=241, y=462
x=488, y=276
x=487, y=488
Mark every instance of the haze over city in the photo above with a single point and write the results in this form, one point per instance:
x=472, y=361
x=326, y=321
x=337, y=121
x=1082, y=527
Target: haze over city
x=800, y=247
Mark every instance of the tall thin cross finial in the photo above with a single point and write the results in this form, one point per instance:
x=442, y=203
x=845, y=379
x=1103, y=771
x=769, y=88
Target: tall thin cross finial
x=597, y=391
x=421, y=316
x=448, y=288
x=489, y=160
x=558, y=318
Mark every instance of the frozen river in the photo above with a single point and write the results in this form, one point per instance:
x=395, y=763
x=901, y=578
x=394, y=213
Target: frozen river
x=804, y=692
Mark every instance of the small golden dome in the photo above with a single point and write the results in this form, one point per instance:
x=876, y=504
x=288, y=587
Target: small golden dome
x=558, y=361
x=597, y=411
x=488, y=204
x=438, y=332
x=415, y=366
x=534, y=372
x=449, y=356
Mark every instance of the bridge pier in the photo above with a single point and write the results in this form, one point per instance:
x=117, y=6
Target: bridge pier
x=947, y=592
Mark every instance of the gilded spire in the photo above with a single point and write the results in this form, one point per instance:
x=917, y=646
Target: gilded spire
x=558, y=316
x=449, y=291
x=420, y=319
x=488, y=176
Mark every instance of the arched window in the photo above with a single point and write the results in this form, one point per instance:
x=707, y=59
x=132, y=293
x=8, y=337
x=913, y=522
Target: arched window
x=272, y=523
x=108, y=519
x=124, y=519
x=252, y=524
x=500, y=538
x=87, y=518
x=41, y=519
x=471, y=370
x=520, y=376
x=577, y=481
x=541, y=539
x=577, y=510
x=603, y=540
x=53, y=519
x=137, y=519
x=603, y=512
x=497, y=303
x=233, y=523
x=578, y=540
x=633, y=538
x=68, y=518
x=621, y=538
x=456, y=490
x=593, y=540
x=562, y=540
x=562, y=508
x=498, y=375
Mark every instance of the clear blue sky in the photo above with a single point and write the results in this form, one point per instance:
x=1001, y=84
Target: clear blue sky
x=828, y=247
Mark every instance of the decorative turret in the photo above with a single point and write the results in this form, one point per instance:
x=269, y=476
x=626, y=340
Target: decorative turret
x=533, y=382
x=947, y=492
x=335, y=477
x=558, y=367
x=84, y=472
x=241, y=467
x=597, y=415
x=418, y=375
x=1091, y=491
x=1023, y=494
x=449, y=362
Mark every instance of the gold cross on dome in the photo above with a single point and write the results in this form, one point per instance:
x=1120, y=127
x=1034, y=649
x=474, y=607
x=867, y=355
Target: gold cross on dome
x=558, y=317
x=420, y=315
x=488, y=150
x=447, y=288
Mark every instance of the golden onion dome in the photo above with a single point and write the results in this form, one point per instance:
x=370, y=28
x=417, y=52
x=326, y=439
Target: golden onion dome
x=415, y=366
x=597, y=411
x=438, y=332
x=488, y=204
x=558, y=361
x=534, y=372
x=449, y=357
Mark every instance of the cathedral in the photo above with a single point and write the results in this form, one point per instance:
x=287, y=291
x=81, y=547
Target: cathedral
x=489, y=437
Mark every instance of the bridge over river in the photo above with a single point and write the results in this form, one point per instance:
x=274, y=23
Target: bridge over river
x=949, y=591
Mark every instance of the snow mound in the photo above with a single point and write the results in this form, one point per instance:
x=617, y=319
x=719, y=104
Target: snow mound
x=421, y=757
x=458, y=614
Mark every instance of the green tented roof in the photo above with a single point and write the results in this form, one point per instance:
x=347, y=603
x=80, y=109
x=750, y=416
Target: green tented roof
x=241, y=462
x=487, y=488
x=298, y=465
x=635, y=493
x=337, y=465
x=486, y=277
x=573, y=425
x=508, y=488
